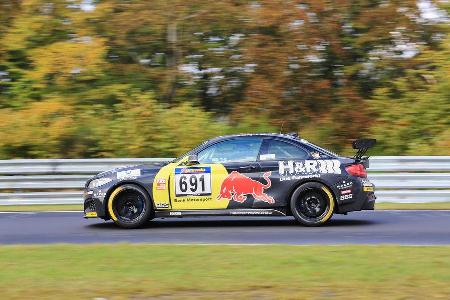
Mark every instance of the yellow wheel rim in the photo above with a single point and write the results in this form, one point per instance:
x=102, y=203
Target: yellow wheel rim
x=331, y=201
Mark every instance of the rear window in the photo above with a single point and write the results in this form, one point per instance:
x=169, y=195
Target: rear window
x=315, y=147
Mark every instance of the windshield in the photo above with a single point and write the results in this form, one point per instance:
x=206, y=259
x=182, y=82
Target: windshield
x=187, y=153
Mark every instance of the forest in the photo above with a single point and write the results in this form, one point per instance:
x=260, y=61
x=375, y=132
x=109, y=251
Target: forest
x=140, y=78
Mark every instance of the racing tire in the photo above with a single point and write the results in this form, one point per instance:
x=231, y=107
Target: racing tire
x=129, y=206
x=312, y=204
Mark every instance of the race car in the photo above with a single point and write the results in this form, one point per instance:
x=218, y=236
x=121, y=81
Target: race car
x=237, y=175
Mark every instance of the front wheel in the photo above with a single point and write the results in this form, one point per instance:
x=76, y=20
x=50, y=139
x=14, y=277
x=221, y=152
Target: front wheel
x=312, y=204
x=129, y=206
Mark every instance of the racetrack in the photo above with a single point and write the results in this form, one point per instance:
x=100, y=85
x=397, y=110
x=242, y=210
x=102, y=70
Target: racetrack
x=370, y=227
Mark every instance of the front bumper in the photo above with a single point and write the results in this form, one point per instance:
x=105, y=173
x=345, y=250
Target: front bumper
x=93, y=206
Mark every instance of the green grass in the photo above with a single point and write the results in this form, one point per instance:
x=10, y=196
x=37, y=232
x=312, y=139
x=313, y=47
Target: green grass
x=74, y=207
x=124, y=271
x=409, y=206
x=43, y=207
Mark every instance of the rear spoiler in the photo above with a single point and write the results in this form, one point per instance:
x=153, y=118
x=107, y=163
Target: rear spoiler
x=362, y=145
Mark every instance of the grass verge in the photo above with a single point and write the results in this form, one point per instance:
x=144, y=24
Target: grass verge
x=44, y=207
x=378, y=206
x=124, y=271
x=411, y=206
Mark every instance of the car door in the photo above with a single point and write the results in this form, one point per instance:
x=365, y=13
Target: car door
x=274, y=151
x=219, y=180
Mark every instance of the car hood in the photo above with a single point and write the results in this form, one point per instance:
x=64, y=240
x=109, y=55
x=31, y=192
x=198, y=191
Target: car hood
x=145, y=169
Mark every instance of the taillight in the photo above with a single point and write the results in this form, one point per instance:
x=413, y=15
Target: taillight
x=357, y=170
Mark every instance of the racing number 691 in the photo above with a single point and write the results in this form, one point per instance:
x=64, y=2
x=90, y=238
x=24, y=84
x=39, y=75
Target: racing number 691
x=192, y=183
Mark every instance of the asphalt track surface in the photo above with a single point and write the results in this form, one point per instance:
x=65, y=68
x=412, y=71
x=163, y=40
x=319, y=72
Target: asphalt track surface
x=370, y=227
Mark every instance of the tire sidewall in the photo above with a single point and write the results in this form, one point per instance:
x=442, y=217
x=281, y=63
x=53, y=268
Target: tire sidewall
x=317, y=187
x=144, y=218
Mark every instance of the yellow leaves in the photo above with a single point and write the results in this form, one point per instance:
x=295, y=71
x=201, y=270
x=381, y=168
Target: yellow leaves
x=34, y=18
x=188, y=126
x=59, y=62
x=40, y=127
x=306, y=64
x=140, y=127
x=17, y=36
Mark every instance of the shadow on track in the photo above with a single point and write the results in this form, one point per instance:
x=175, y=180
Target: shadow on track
x=214, y=223
x=341, y=222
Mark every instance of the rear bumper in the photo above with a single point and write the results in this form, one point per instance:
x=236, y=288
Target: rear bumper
x=369, y=204
x=363, y=197
x=364, y=201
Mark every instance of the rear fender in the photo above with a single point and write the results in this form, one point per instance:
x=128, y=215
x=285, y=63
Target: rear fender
x=318, y=180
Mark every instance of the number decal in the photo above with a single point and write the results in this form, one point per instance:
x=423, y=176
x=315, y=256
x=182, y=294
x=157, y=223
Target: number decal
x=202, y=179
x=183, y=184
x=192, y=181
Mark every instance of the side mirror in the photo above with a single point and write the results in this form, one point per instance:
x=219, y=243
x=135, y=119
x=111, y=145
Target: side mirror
x=193, y=159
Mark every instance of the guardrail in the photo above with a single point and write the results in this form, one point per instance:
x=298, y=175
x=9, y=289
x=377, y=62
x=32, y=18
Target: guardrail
x=413, y=179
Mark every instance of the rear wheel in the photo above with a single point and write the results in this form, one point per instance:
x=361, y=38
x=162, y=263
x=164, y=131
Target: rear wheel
x=312, y=204
x=129, y=206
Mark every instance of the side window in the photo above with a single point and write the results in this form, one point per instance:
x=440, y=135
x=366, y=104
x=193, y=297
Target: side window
x=235, y=150
x=279, y=150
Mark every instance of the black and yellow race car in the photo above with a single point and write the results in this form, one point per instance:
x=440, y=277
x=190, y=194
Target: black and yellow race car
x=237, y=175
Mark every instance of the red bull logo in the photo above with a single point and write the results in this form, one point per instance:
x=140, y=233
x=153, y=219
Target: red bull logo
x=237, y=186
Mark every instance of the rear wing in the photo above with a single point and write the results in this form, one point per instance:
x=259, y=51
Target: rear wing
x=362, y=145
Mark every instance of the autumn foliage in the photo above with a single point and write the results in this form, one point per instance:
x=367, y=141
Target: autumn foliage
x=113, y=78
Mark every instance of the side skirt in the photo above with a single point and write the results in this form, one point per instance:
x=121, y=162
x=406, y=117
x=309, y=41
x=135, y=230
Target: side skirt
x=220, y=212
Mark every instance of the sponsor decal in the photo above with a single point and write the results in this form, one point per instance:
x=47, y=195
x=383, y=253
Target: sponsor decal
x=297, y=177
x=192, y=199
x=346, y=197
x=99, y=194
x=128, y=174
x=162, y=205
x=252, y=213
x=345, y=185
x=160, y=183
x=310, y=168
x=192, y=181
x=267, y=157
x=91, y=214
x=194, y=170
x=175, y=213
x=237, y=186
x=368, y=188
x=346, y=192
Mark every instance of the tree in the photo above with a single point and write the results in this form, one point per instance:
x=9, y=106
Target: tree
x=413, y=111
x=123, y=76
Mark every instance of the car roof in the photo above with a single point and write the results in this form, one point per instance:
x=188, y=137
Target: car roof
x=287, y=136
x=291, y=136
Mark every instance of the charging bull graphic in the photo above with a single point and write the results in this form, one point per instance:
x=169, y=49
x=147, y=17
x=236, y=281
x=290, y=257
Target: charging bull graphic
x=236, y=186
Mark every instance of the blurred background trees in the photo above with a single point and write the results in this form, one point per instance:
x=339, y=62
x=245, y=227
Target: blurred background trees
x=108, y=78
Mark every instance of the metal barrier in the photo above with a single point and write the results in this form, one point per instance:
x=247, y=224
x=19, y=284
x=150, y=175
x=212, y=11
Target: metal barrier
x=414, y=179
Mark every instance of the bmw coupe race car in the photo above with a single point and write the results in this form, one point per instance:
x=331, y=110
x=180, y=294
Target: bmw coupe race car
x=237, y=175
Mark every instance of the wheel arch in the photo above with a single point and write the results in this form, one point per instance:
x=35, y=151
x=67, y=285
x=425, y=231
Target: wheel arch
x=119, y=184
x=302, y=182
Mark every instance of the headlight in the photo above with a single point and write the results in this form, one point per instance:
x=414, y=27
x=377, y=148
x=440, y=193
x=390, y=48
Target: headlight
x=99, y=182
